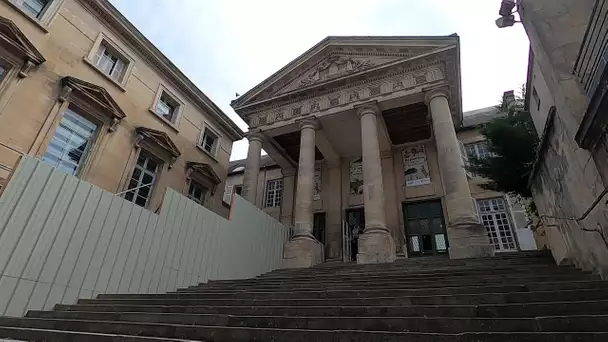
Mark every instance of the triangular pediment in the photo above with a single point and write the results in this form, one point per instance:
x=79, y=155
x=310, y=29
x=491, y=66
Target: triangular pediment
x=204, y=170
x=15, y=41
x=159, y=139
x=94, y=94
x=336, y=58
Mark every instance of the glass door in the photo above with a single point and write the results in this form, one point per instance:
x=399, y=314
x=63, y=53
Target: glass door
x=425, y=228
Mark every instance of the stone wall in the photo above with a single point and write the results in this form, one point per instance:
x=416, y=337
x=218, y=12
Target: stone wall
x=568, y=182
x=71, y=36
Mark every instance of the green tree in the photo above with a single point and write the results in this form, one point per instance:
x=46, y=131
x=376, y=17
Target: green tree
x=513, y=142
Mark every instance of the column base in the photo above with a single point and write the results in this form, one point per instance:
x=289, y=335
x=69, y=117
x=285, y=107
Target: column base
x=302, y=252
x=376, y=247
x=469, y=240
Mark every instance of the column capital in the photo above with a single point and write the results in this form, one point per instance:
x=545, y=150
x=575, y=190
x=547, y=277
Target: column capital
x=255, y=136
x=310, y=122
x=436, y=92
x=368, y=108
x=288, y=172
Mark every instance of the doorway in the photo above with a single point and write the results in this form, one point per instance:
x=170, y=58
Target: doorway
x=353, y=227
x=318, y=227
x=425, y=228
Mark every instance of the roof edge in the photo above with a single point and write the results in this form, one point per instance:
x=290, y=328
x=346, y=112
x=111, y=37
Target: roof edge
x=108, y=14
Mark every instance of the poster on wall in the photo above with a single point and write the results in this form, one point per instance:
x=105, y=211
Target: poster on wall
x=356, y=176
x=415, y=166
x=317, y=183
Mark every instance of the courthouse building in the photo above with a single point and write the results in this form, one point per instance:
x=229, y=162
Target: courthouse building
x=366, y=141
x=82, y=89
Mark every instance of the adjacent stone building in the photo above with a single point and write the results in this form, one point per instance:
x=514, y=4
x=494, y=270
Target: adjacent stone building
x=566, y=95
x=82, y=89
x=364, y=157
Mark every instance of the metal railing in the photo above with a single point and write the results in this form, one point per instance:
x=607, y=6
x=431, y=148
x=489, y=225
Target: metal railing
x=132, y=189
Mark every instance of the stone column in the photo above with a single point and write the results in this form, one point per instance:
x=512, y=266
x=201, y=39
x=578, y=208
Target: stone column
x=467, y=237
x=333, y=193
x=288, y=196
x=303, y=250
x=252, y=167
x=376, y=245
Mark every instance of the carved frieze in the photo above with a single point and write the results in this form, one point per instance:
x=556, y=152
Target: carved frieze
x=333, y=67
x=345, y=96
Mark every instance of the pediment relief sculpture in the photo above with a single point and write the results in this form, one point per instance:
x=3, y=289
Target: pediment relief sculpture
x=335, y=66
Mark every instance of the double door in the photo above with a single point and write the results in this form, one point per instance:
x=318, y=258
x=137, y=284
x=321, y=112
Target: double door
x=352, y=227
x=425, y=228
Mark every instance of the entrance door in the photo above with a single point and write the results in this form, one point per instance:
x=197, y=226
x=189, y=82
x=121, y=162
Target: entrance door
x=318, y=227
x=353, y=227
x=425, y=228
x=494, y=217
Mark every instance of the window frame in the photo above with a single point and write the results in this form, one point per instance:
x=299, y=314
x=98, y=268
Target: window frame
x=218, y=146
x=205, y=190
x=157, y=174
x=177, y=115
x=475, y=145
x=277, y=192
x=119, y=52
x=46, y=16
x=91, y=148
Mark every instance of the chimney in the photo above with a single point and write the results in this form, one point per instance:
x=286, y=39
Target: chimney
x=508, y=100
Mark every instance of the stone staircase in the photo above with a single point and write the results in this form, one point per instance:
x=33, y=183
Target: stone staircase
x=508, y=298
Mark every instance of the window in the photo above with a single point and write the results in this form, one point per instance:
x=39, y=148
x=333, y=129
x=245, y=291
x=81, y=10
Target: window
x=167, y=107
x=109, y=62
x=536, y=98
x=478, y=150
x=142, y=180
x=197, y=192
x=238, y=189
x=2, y=72
x=493, y=216
x=69, y=146
x=34, y=8
x=210, y=141
x=274, y=192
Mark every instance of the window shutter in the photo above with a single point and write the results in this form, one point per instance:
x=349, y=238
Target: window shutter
x=228, y=193
x=465, y=158
x=118, y=70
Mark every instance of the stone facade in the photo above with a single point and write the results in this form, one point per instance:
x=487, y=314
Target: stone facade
x=569, y=179
x=373, y=104
x=83, y=56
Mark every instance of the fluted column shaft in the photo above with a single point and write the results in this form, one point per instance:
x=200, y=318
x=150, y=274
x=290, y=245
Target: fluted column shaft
x=252, y=167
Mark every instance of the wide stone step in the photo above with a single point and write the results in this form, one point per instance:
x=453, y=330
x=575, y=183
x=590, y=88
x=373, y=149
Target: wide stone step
x=49, y=335
x=411, y=324
x=403, y=275
x=451, y=299
x=392, y=283
x=398, y=265
x=332, y=294
x=339, y=267
x=514, y=310
x=221, y=333
x=584, y=323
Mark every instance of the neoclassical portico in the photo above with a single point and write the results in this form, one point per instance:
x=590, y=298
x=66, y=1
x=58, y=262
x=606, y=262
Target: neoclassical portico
x=346, y=118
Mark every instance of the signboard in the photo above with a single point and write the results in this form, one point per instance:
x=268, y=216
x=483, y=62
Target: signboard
x=356, y=176
x=415, y=166
x=317, y=183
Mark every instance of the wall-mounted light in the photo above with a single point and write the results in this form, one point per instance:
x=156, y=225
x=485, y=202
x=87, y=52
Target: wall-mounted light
x=506, y=8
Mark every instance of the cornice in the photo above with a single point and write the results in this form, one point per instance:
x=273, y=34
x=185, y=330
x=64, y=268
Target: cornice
x=342, y=41
x=436, y=54
x=106, y=12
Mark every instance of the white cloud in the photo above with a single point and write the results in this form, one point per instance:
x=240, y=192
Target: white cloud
x=230, y=46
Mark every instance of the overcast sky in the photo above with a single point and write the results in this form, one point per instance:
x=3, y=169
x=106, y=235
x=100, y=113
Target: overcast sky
x=229, y=46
